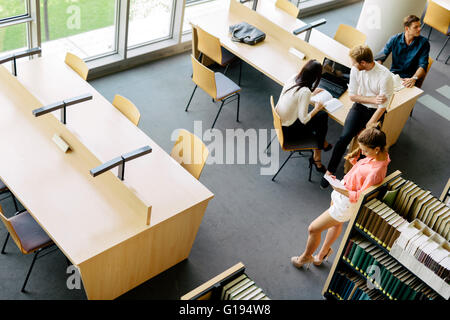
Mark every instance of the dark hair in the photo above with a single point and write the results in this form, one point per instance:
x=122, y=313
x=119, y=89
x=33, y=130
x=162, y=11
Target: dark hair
x=407, y=21
x=309, y=76
x=372, y=138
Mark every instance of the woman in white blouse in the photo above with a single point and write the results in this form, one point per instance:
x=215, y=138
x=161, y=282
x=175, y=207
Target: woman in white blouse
x=292, y=107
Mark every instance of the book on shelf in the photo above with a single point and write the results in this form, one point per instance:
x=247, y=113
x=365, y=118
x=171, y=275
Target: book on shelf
x=371, y=216
x=401, y=195
x=414, y=195
x=367, y=211
x=259, y=296
x=379, y=220
x=417, y=206
x=362, y=214
x=431, y=210
x=234, y=288
x=231, y=284
x=389, y=197
x=248, y=290
x=252, y=294
x=426, y=206
x=407, y=196
x=239, y=289
x=437, y=215
x=443, y=226
x=396, y=183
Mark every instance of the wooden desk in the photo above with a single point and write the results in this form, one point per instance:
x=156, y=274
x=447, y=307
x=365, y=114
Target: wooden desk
x=272, y=56
x=99, y=223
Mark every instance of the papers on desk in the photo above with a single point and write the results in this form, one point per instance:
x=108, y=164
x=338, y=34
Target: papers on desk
x=397, y=81
x=331, y=104
x=334, y=182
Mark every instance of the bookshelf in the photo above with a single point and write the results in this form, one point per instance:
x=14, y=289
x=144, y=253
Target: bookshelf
x=232, y=284
x=370, y=236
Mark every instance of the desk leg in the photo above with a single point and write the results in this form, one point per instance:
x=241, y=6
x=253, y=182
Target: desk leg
x=138, y=259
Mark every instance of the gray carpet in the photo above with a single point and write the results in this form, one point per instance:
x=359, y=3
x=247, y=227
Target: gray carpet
x=251, y=219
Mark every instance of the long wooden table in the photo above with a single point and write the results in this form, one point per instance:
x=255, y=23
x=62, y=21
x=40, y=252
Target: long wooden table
x=272, y=56
x=118, y=233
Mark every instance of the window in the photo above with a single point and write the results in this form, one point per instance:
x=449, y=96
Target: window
x=85, y=27
x=10, y=9
x=149, y=21
x=13, y=26
x=199, y=7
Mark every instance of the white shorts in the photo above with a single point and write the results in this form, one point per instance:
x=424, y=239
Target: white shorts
x=342, y=209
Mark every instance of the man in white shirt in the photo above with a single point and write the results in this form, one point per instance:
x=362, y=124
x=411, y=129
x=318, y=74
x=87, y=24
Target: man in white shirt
x=371, y=89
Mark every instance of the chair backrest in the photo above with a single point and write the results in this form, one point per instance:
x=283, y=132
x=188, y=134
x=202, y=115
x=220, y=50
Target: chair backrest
x=204, y=77
x=349, y=36
x=287, y=6
x=11, y=231
x=190, y=152
x=277, y=123
x=77, y=64
x=209, y=45
x=127, y=108
x=437, y=17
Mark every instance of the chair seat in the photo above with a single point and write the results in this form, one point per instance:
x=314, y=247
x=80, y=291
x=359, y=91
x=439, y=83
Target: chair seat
x=3, y=187
x=30, y=233
x=224, y=86
x=304, y=140
x=227, y=56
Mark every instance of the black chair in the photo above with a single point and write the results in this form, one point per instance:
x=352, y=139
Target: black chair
x=28, y=236
x=304, y=143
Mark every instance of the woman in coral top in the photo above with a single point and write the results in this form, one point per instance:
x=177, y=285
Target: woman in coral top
x=366, y=172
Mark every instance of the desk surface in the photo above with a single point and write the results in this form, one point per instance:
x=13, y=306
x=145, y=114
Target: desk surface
x=78, y=211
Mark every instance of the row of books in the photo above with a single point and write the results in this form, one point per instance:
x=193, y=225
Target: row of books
x=427, y=248
x=380, y=222
x=349, y=286
x=412, y=202
x=386, y=273
x=242, y=288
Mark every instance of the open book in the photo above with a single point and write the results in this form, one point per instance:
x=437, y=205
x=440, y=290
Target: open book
x=334, y=182
x=331, y=104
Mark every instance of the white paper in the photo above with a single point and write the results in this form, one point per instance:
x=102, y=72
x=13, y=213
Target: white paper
x=333, y=105
x=330, y=103
x=297, y=53
x=322, y=97
x=334, y=182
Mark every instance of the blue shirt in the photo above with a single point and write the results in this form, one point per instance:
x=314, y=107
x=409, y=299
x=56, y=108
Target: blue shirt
x=406, y=59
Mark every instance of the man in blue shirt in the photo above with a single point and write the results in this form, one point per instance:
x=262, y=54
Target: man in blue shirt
x=410, y=53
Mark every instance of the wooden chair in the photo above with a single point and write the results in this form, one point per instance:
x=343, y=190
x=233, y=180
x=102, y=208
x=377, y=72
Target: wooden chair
x=28, y=236
x=438, y=18
x=210, y=46
x=306, y=142
x=190, y=152
x=4, y=189
x=127, y=108
x=349, y=36
x=77, y=64
x=215, y=84
x=287, y=6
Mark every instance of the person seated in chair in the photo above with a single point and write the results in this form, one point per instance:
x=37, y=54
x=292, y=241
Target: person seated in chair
x=410, y=53
x=292, y=107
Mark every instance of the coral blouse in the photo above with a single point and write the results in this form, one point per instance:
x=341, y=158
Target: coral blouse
x=365, y=173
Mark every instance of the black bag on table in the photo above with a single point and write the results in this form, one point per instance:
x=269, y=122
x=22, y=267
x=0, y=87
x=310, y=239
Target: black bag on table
x=244, y=32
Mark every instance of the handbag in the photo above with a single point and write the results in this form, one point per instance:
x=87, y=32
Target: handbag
x=246, y=33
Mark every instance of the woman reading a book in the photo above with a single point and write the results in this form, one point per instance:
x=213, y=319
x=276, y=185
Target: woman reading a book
x=366, y=172
x=292, y=107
